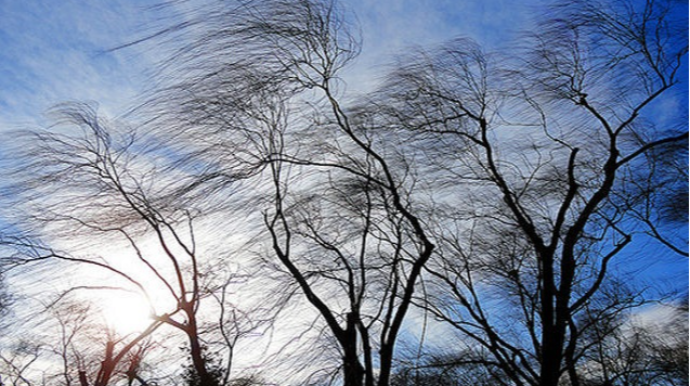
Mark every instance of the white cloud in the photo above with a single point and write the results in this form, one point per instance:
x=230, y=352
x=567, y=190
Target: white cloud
x=52, y=53
x=392, y=27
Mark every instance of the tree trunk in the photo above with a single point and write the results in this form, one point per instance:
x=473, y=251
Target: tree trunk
x=352, y=368
x=107, y=365
x=386, y=356
x=549, y=371
x=196, y=352
x=199, y=363
x=551, y=356
x=83, y=381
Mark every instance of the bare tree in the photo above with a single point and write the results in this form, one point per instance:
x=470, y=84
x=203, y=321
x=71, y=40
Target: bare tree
x=259, y=97
x=488, y=158
x=664, y=196
x=511, y=182
x=556, y=152
x=17, y=362
x=639, y=353
x=449, y=368
x=89, y=181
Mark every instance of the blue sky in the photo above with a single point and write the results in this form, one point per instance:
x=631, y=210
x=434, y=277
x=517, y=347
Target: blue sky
x=52, y=52
x=56, y=51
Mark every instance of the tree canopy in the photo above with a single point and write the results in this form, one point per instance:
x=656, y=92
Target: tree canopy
x=468, y=220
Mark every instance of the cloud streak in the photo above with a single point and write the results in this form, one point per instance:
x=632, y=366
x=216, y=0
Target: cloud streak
x=52, y=54
x=55, y=53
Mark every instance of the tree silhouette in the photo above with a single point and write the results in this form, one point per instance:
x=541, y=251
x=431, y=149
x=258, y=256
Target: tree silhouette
x=558, y=157
x=90, y=181
x=494, y=191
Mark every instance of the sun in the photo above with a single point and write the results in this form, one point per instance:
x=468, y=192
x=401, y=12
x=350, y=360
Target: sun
x=126, y=313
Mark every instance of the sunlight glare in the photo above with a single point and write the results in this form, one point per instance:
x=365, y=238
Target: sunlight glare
x=126, y=313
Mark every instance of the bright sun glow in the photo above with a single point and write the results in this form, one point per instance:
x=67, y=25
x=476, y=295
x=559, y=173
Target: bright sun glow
x=126, y=313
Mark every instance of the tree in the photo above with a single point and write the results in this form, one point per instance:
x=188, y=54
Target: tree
x=18, y=362
x=640, y=353
x=457, y=368
x=89, y=181
x=259, y=100
x=364, y=194
x=556, y=153
x=666, y=203
x=192, y=377
x=506, y=183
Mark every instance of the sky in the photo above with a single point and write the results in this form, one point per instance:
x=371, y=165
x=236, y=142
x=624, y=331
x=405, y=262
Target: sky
x=53, y=52
x=57, y=51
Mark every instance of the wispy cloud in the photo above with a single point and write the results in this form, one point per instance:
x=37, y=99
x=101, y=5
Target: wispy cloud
x=52, y=53
x=392, y=27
